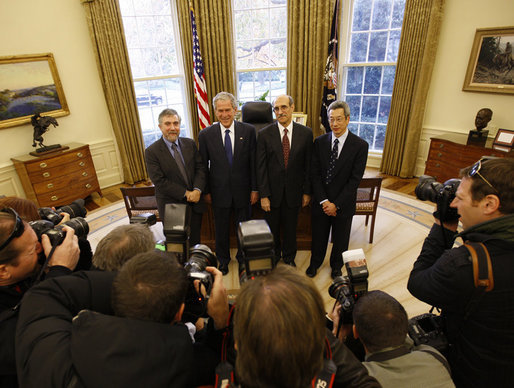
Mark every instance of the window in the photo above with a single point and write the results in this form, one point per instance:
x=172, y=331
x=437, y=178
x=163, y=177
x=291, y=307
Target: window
x=151, y=31
x=260, y=36
x=371, y=38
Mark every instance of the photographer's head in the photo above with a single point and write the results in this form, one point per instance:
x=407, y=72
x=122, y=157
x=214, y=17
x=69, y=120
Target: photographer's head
x=121, y=244
x=486, y=191
x=19, y=248
x=380, y=321
x=279, y=330
x=25, y=208
x=151, y=286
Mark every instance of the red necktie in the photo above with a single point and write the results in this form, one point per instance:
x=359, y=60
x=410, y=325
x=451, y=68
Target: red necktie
x=285, y=147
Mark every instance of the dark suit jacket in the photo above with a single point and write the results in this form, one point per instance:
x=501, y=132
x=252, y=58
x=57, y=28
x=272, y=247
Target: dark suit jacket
x=170, y=186
x=225, y=183
x=350, y=166
x=272, y=176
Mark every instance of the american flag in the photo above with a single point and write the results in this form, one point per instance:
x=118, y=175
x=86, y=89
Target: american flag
x=200, y=87
x=330, y=76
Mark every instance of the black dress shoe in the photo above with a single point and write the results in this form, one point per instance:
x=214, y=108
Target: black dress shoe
x=224, y=269
x=290, y=262
x=311, y=271
x=335, y=273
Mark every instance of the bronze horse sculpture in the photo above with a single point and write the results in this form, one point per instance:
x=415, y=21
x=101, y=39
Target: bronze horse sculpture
x=41, y=124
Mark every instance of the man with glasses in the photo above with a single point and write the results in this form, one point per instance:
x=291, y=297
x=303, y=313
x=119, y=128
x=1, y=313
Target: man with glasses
x=480, y=333
x=284, y=151
x=177, y=171
x=19, y=252
x=338, y=163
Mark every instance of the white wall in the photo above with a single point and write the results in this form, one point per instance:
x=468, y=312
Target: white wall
x=448, y=108
x=59, y=27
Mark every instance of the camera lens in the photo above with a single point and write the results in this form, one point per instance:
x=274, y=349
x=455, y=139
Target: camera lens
x=428, y=188
x=74, y=209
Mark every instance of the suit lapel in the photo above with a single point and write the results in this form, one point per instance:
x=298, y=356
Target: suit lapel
x=346, y=151
x=295, y=142
x=238, y=140
x=276, y=143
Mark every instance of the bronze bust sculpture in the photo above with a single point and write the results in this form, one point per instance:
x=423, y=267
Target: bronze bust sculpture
x=478, y=136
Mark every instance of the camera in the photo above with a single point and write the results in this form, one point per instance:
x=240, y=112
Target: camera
x=256, y=242
x=428, y=189
x=347, y=289
x=200, y=257
x=148, y=219
x=428, y=329
x=57, y=234
x=75, y=209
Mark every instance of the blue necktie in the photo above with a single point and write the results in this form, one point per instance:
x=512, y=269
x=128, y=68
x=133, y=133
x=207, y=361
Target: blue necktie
x=228, y=147
x=332, y=162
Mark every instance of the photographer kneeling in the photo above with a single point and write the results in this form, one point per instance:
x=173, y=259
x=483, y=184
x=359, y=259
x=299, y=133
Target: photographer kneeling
x=75, y=341
x=480, y=333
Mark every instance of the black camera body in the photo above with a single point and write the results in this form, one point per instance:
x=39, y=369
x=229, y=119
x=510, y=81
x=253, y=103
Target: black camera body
x=256, y=242
x=348, y=289
x=428, y=189
x=200, y=257
x=428, y=329
x=148, y=219
x=74, y=209
x=56, y=234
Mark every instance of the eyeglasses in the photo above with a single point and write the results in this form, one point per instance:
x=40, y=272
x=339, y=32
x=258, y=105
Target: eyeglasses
x=18, y=227
x=475, y=170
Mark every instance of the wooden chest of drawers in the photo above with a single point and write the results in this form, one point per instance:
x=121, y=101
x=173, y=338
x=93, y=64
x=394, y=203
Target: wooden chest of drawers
x=449, y=153
x=58, y=178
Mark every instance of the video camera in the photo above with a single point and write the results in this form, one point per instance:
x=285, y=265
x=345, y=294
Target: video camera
x=256, y=242
x=347, y=289
x=50, y=219
x=147, y=219
x=176, y=227
x=440, y=194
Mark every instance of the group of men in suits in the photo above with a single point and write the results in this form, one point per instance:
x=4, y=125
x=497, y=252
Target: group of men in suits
x=232, y=168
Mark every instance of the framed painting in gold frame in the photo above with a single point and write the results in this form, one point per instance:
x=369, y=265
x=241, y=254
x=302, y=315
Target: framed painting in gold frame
x=29, y=84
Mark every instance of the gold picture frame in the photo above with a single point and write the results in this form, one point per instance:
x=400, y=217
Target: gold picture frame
x=491, y=64
x=300, y=118
x=30, y=84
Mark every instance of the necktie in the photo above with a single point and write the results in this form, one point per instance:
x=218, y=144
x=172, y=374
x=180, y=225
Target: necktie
x=228, y=147
x=285, y=147
x=180, y=163
x=332, y=162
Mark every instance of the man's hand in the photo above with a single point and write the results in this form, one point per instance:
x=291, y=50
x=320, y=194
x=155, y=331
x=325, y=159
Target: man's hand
x=306, y=200
x=65, y=218
x=207, y=198
x=193, y=196
x=329, y=208
x=450, y=225
x=254, y=197
x=265, y=204
x=67, y=254
x=217, y=306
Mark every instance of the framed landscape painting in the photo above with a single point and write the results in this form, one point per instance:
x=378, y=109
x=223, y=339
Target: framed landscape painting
x=29, y=84
x=491, y=64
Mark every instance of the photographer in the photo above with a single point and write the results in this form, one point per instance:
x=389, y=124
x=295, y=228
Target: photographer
x=76, y=341
x=280, y=336
x=380, y=322
x=19, y=251
x=121, y=244
x=481, y=334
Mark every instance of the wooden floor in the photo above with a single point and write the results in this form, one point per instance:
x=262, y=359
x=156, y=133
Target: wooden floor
x=113, y=194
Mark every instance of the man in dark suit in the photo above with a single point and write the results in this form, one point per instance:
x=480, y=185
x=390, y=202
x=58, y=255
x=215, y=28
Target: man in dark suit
x=284, y=151
x=228, y=150
x=338, y=164
x=177, y=171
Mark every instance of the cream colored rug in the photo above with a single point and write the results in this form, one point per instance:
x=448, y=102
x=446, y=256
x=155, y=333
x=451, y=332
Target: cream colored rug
x=400, y=229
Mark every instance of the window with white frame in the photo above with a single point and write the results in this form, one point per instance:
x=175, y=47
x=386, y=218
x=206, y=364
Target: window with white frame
x=260, y=37
x=151, y=32
x=369, y=50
